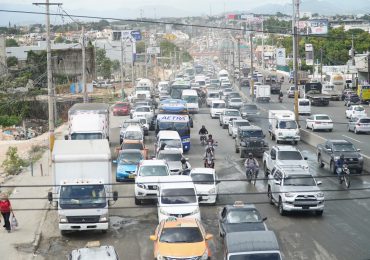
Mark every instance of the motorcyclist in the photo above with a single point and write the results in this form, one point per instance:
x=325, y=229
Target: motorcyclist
x=208, y=153
x=339, y=167
x=210, y=140
x=251, y=163
x=281, y=96
x=203, y=131
x=185, y=164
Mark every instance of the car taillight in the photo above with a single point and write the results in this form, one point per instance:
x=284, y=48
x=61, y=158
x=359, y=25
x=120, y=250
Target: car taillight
x=318, y=123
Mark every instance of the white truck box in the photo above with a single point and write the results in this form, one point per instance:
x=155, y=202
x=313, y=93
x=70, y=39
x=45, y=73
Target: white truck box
x=82, y=178
x=263, y=93
x=88, y=121
x=282, y=126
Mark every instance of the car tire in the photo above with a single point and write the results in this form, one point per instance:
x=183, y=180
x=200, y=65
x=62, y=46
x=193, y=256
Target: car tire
x=229, y=133
x=269, y=195
x=137, y=201
x=224, y=126
x=280, y=207
x=319, y=160
x=237, y=150
x=319, y=212
x=242, y=154
x=265, y=170
x=356, y=131
x=307, y=126
x=330, y=130
x=64, y=233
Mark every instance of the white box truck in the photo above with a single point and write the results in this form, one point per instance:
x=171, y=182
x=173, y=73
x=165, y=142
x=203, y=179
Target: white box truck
x=263, y=93
x=82, y=179
x=283, y=127
x=88, y=121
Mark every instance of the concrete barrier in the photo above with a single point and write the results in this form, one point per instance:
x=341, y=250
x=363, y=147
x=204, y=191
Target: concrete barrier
x=314, y=139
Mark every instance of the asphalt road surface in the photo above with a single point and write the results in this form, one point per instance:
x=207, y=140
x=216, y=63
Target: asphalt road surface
x=343, y=232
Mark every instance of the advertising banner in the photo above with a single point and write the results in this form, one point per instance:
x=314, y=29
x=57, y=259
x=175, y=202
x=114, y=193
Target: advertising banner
x=280, y=57
x=309, y=54
x=317, y=26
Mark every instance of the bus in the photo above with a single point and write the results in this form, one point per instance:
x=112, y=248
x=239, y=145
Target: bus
x=364, y=92
x=177, y=87
x=173, y=115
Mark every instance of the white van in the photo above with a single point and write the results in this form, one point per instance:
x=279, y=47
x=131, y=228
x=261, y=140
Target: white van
x=134, y=132
x=217, y=108
x=212, y=95
x=304, y=106
x=177, y=197
x=168, y=140
x=192, y=100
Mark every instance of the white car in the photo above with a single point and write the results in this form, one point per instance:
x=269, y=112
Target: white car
x=212, y=95
x=355, y=111
x=143, y=111
x=229, y=115
x=177, y=197
x=149, y=175
x=205, y=181
x=319, y=122
x=235, y=124
x=359, y=125
x=217, y=108
x=173, y=159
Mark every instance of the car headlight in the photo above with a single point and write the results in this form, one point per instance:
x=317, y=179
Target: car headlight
x=360, y=157
x=288, y=194
x=320, y=195
x=140, y=185
x=205, y=255
x=63, y=219
x=186, y=140
x=103, y=218
x=305, y=167
x=213, y=190
x=196, y=211
x=163, y=212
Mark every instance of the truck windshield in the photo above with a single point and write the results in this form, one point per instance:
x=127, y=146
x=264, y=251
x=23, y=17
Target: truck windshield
x=218, y=105
x=190, y=99
x=82, y=196
x=256, y=256
x=290, y=155
x=299, y=180
x=86, y=136
x=344, y=148
x=153, y=170
x=178, y=196
x=200, y=178
x=171, y=143
x=288, y=124
x=171, y=157
x=252, y=133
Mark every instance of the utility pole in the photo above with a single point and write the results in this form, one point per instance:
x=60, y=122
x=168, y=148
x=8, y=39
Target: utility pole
x=295, y=55
x=252, y=80
x=239, y=60
x=49, y=74
x=263, y=47
x=85, y=98
x=132, y=63
x=368, y=67
x=320, y=64
x=122, y=64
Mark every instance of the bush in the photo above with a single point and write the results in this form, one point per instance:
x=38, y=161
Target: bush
x=13, y=164
x=6, y=121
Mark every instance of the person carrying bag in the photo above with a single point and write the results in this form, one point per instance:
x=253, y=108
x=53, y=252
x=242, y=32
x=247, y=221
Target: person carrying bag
x=6, y=209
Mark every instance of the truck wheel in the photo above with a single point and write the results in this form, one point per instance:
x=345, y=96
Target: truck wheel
x=332, y=167
x=272, y=137
x=237, y=149
x=137, y=201
x=319, y=160
x=224, y=126
x=242, y=153
x=63, y=232
x=319, y=212
x=281, y=209
x=269, y=195
x=104, y=231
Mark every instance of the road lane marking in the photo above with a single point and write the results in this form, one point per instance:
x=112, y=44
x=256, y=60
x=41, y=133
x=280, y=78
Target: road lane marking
x=352, y=139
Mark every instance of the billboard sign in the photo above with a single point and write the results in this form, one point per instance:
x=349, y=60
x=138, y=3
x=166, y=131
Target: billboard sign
x=309, y=54
x=153, y=50
x=317, y=26
x=136, y=35
x=280, y=57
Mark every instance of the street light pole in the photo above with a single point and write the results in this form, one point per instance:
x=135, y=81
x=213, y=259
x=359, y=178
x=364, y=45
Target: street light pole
x=252, y=80
x=84, y=66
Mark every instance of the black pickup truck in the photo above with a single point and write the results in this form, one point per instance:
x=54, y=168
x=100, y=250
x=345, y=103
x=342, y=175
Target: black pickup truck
x=330, y=151
x=313, y=92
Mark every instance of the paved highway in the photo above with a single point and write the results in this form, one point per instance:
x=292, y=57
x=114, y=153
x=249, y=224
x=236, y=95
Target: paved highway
x=343, y=232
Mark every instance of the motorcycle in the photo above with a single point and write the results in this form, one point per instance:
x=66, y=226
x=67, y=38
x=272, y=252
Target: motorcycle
x=281, y=99
x=212, y=146
x=209, y=161
x=203, y=139
x=345, y=176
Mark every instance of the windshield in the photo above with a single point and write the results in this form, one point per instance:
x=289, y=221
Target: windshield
x=365, y=120
x=121, y=105
x=243, y=215
x=129, y=158
x=133, y=135
x=358, y=109
x=213, y=95
x=256, y=256
x=304, y=103
x=153, y=170
x=82, y=196
x=190, y=99
x=86, y=136
x=232, y=113
x=142, y=88
x=199, y=178
x=344, y=148
x=142, y=109
x=252, y=133
x=299, y=180
x=171, y=143
x=182, y=128
x=237, y=124
x=181, y=235
x=178, y=196
x=235, y=100
x=132, y=146
x=249, y=107
x=322, y=118
x=170, y=156
x=290, y=155
x=218, y=105
x=288, y=124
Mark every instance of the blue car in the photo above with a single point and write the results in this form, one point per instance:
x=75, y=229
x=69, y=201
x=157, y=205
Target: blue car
x=127, y=162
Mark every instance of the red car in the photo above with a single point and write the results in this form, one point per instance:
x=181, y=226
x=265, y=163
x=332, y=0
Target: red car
x=121, y=109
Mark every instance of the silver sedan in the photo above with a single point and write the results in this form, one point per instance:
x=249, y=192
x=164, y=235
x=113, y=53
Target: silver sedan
x=359, y=125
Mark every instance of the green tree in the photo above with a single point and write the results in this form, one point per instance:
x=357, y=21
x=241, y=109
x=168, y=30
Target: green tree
x=11, y=43
x=104, y=64
x=11, y=61
x=13, y=163
x=59, y=39
x=140, y=47
x=116, y=65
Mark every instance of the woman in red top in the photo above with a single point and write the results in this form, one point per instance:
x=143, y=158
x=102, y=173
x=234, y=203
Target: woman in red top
x=5, y=209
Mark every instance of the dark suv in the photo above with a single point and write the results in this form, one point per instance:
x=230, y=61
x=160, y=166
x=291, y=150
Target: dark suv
x=250, y=139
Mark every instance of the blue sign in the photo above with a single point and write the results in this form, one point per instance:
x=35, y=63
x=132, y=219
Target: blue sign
x=136, y=35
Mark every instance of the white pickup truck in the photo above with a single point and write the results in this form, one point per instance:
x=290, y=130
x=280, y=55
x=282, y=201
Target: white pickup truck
x=228, y=115
x=283, y=155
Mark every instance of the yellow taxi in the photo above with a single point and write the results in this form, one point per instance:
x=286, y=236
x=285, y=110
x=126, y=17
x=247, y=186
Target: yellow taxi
x=182, y=238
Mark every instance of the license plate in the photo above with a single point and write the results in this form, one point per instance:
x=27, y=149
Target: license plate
x=205, y=197
x=305, y=207
x=131, y=176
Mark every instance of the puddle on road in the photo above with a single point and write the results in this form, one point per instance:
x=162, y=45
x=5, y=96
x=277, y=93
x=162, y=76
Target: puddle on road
x=120, y=222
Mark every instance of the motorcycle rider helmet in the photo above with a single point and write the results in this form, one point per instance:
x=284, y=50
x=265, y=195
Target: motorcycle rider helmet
x=250, y=156
x=210, y=136
x=183, y=160
x=203, y=127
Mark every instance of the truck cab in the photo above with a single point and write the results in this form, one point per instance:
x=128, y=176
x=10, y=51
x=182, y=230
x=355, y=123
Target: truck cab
x=250, y=139
x=283, y=127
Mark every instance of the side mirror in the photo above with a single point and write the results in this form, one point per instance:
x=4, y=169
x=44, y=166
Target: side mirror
x=319, y=182
x=115, y=195
x=273, y=157
x=209, y=236
x=358, y=150
x=66, y=137
x=50, y=196
x=200, y=198
x=305, y=158
x=114, y=161
x=153, y=237
x=264, y=218
x=218, y=182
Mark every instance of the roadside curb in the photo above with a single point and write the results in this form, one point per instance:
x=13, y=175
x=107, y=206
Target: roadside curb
x=38, y=232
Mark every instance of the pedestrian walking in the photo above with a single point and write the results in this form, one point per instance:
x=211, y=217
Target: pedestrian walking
x=5, y=209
